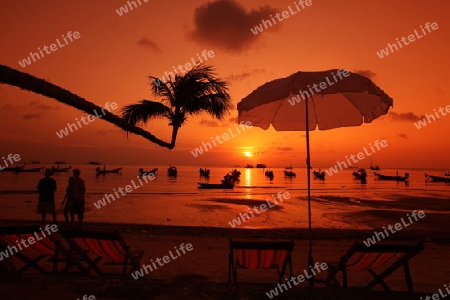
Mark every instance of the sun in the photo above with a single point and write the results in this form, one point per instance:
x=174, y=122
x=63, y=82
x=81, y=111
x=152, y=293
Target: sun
x=248, y=154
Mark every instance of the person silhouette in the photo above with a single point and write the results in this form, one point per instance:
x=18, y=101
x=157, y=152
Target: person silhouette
x=79, y=192
x=46, y=205
x=68, y=203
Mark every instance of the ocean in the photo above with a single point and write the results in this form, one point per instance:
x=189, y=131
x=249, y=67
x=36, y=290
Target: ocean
x=178, y=201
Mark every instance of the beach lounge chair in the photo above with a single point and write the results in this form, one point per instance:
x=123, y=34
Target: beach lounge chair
x=260, y=255
x=106, y=247
x=388, y=257
x=32, y=255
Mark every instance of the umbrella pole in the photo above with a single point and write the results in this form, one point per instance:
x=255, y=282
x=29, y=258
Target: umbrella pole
x=308, y=171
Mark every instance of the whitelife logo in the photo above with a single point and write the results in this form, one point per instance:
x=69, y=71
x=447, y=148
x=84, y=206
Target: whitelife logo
x=12, y=158
x=188, y=66
x=91, y=118
x=128, y=189
x=31, y=240
x=437, y=296
x=71, y=36
x=285, y=14
x=124, y=9
x=423, y=122
x=360, y=155
x=297, y=280
x=262, y=208
x=411, y=38
x=322, y=85
x=197, y=151
x=86, y=297
x=166, y=259
x=379, y=235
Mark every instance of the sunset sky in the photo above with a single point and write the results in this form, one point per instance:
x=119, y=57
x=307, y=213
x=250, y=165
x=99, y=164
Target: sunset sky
x=114, y=55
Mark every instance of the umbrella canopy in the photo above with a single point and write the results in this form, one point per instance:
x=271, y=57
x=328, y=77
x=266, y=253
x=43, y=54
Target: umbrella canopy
x=333, y=98
x=350, y=101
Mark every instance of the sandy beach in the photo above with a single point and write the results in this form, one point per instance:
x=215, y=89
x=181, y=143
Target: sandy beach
x=203, y=272
x=156, y=221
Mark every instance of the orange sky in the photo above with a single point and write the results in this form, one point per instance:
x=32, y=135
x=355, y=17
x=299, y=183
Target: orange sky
x=114, y=55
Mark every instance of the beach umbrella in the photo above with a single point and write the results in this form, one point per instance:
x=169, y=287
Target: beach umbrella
x=333, y=99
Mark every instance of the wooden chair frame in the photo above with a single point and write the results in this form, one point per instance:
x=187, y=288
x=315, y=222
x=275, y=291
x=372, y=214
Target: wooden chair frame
x=129, y=259
x=260, y=245
x=60, y=252
x=408, y=250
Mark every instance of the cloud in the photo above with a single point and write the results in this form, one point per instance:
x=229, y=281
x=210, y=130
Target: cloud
x=32, y=116
x=366, y=73
x=285, y=148
x=33, y=110
x=148, y=44
x=243, y=75
x=226, y=24
x=44, y=107
x=209, y=123
x=32, y=105
x=8, y=107
x=405, y=117
x=402, y=135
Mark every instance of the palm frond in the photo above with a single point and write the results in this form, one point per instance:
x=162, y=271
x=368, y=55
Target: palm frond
x=145, y=110
x=200, y=91
x=162, y=89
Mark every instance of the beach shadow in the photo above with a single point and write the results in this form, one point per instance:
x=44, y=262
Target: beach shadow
x=249, y=203
x=338, y=200
x=208, y=208
x=412, y=203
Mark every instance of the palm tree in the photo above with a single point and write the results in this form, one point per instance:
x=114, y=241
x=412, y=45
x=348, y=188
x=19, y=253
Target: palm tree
x=198, y=91
x=39, y=86
x=36, y=85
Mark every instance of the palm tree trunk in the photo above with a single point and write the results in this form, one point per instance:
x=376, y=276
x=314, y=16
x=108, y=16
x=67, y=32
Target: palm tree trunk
x=174, y=136
x=39, y=86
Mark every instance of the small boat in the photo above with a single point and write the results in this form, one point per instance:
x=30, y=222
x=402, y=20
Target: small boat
x=204, y=172
x=231, y=178
x=215, y=185
x=94, y=163
x=261, y=166
x=374, y=168
x=319, y=175
x=13, y=169
x=104, y=171
x=437, y=178
x=235, y=174
x=172, y=172
x=269, y=174
x=393, y=178
x=29, y=170
x=142, y=172
x=60, y=162
x=360, y=174
x=288, y=172
x=59, y=170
